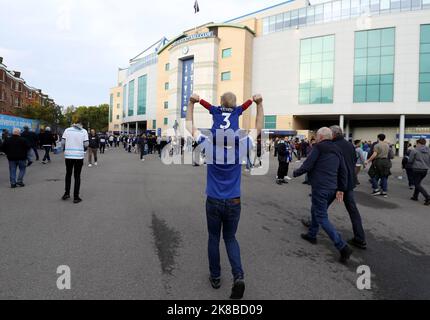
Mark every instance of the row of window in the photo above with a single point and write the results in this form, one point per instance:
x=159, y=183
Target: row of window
x=374, y=61
x=338, y=10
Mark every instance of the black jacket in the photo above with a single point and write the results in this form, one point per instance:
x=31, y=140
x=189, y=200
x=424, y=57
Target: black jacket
x=94, y=141
x=325, y=167
x=46, y=139
x=16, y=148
x=31, y=138
x=349, y=155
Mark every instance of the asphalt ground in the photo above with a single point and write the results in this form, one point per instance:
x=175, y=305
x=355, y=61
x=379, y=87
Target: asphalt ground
x=140, y=233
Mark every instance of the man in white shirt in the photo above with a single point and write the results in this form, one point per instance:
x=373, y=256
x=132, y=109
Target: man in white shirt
x=75, y=142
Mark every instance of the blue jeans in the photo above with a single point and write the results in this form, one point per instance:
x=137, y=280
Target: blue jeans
x=321, y=200
x=13, y=166
x=384, y=183
x=225, y=215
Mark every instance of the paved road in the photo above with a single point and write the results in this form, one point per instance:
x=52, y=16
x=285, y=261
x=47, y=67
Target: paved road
x=140, y=234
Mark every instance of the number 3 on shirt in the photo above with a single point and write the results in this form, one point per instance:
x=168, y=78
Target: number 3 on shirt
x=226, y=120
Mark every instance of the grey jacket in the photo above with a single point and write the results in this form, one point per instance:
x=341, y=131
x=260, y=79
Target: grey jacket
x=419, y=158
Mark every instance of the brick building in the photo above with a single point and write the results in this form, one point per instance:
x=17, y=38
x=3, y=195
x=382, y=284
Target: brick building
x=16, y=93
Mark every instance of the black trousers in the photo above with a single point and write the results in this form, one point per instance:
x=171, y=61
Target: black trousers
x=102, y=147
x=283, y=169
x=35, y=153
x=419, y=176
x=74, y=166
x=47, y=150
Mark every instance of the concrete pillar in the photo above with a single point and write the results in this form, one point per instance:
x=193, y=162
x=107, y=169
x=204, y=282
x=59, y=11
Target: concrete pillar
x=347, y=131
x=402, y=136
x=137, y=128
x=128, y=128
x=342, y=122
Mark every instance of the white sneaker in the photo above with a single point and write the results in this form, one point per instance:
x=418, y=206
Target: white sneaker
x=288, y=178
x=90, y=165
x=96, y=164
x=143, y=160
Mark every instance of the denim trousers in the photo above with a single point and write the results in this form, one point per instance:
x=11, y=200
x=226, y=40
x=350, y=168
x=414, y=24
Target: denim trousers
x=223, y=215
x=13, y=166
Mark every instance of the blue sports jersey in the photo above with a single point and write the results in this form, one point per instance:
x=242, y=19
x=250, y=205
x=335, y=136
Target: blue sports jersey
x=224, y=179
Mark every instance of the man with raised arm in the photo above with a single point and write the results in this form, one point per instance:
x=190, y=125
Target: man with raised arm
x=223, y=205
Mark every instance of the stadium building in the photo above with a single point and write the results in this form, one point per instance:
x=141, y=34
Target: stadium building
x=363, y=64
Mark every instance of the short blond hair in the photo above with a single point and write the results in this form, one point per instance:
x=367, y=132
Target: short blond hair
x=228, y=100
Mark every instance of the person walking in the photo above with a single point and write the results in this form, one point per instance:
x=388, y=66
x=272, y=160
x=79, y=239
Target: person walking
x=419, y=161
x=407, y=167
x=75, y=141
x=31, y=138
x=284, y=159
x=47, y=141
x=223, y=205
x=16, y=149
x=360, y=161
x=142, y=142
x=381, y=167
x=94, y=144
x=328, y=176
x=102, y=143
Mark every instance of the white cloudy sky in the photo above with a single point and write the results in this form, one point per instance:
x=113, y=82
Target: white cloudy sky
x=72, y=48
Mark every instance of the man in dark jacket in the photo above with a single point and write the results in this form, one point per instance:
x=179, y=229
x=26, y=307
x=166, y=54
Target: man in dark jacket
x=47, y=141
x=31, y=138
x=16, y=149
x=349, y=155
x=93, y=148
x=419, y=161
x=328, y=177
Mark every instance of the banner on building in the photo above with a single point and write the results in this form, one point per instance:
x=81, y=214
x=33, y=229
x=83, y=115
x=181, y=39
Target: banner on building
x=9, y=123
x=187, y=85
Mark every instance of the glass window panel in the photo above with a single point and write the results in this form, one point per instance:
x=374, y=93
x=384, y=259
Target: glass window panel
x=306, y=46
x=346, y=8
x=388, y=37
x=265, y=25
x=327, y=12
x=374, y=66
x=316, y=57
x=372, y=93
x=374, y=52
x=387, y=79
x=305, y=71
x=406, y=5
x=424, y=92
x=226, y=53
x=317, y=45
x=304, y=95
x=360, y=80
x=355, y=8
x=337, y=6
x=328, y=70
x=328, y=43
x=327, y=95
x=302, y=16
x=279, y=22
x=361, y=53
x=316, y=71
x=425, y=33
x=387, y=65
x=425, y=48
x=374, y=39
x=294, y=18
x=385, y=5
x=387, y=51
x=305, y=83
x=426, y=3
x=387, y=93
x=306, y=59
x=361, y=39
x=395, y=5
x=287, y=19
x=372, y=80
x=425, y=62
x=310, y=15
x=425, y=77
x=319, y=13
x=360, y=66
x=315, y=95
x=359, y=93
x=374, y=6
x=364, y=6
x=328, y=56
x=416, y=4
x=316, y=82
x=272, y=24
